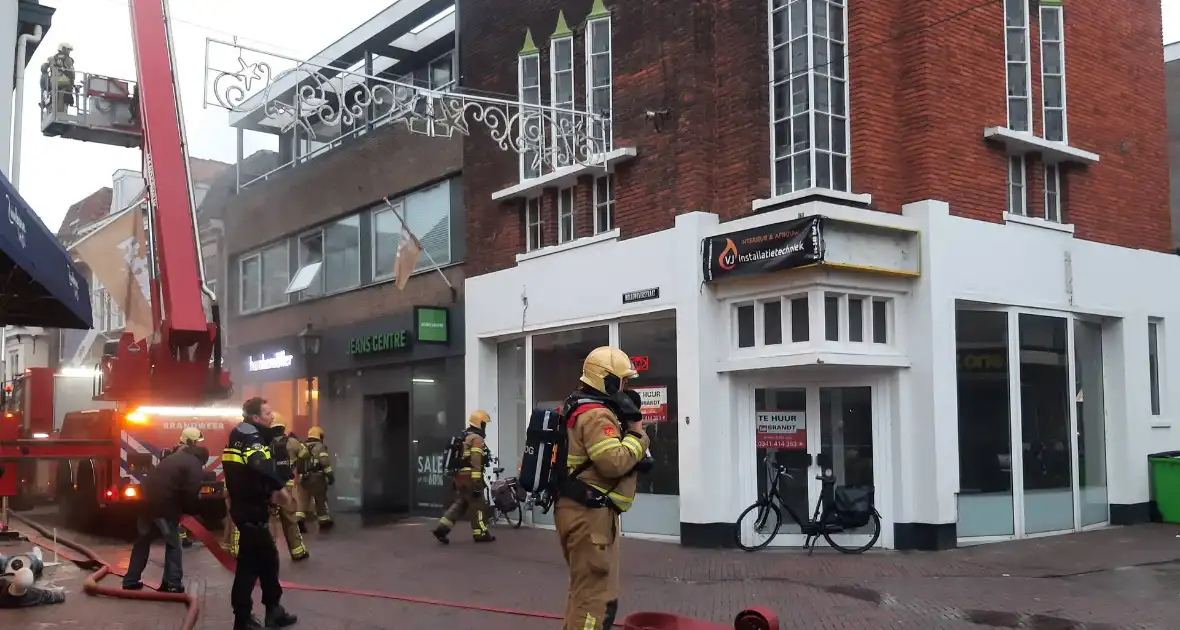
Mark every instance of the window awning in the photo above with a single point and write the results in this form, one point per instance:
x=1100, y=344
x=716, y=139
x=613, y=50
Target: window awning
x=39, y=283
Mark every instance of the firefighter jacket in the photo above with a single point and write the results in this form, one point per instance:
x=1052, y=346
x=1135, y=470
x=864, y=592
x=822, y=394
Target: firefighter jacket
x=607, y=454
x=473, y=454
x=298, y=453
x=173, y=487
x=318, y=459
x=287, y=452
x=250, y=474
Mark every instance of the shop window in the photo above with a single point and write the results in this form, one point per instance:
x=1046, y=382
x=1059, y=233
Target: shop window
x=342, y=261
x=432, y=431
x=832, y=317
x=511, y=402
x=985, y=432
x=787, y=408
x=800, y=319
x=1045, y=424
x=856, y=319
x=557, y=362
x=745, y=326
x=1091, y=415
x=653, y=343
x=772, y=322
x=1154, y=334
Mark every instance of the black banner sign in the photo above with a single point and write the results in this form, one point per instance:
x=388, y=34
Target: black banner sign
x=764, y=249
x=641, y=295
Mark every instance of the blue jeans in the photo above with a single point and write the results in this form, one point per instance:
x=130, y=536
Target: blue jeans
x=149, y=530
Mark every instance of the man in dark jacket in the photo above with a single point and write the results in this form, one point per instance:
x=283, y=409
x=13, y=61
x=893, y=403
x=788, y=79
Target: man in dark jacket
x=254, y=485
x=170, y=491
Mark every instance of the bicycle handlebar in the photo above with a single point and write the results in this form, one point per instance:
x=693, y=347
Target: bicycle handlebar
x=497, y=471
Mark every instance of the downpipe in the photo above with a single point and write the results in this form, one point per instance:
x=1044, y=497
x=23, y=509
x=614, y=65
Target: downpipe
x=18, y=114
x=749, y=619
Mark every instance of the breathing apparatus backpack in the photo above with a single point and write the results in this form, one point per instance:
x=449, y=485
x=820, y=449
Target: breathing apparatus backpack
x=453, y=457
x=543, y=468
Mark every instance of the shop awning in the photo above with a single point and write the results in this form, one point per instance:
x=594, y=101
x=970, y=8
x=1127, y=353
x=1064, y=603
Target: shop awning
x=39, y=284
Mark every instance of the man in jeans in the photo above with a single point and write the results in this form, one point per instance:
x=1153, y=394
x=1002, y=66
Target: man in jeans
x=171, y=490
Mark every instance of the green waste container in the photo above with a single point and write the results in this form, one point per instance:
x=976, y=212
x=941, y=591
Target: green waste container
x=1165, y=484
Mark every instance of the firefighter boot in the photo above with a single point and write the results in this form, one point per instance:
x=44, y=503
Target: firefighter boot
x=278, y=618
x=441, y=532
x=485, y=536
x=247, y=623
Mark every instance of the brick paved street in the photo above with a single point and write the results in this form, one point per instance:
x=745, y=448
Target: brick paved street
x=1117, y=578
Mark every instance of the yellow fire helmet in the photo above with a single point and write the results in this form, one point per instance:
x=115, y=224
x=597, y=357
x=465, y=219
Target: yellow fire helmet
x=315, y=433
x=606, y=368
x=190, y=436
x=277, y=421
x=479, y=417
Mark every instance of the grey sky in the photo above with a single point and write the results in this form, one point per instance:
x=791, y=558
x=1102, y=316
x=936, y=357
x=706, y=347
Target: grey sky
x=56, y=173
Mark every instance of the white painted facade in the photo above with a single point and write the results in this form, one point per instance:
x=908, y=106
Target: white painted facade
x=1023, y=265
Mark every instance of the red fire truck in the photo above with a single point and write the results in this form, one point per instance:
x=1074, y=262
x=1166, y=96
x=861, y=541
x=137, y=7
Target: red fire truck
x=145, y=390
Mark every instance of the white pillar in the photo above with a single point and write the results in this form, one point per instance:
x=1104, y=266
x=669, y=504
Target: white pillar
x=8, y=34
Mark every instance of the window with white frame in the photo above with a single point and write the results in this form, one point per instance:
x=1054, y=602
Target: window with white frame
x=263, y=278
x=1155, y=341
x=529, y=90
x=534, y=223
x=566, y=227
x=1053, y=70
x=809, y=95
x=1019, y=70
x=561, y=88
x=599, y=81
x=342, y=254
x=1053, y=193
x=604, y=203
x=781, y=320
x=308, y=281
x=1017, y=193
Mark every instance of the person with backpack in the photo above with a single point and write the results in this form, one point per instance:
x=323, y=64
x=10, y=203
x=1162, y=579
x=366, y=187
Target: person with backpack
x=467, y=457
x=315, y=477
x=596, y=483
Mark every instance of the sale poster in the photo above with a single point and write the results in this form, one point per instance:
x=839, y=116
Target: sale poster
x=781, y=430
x=654, y=403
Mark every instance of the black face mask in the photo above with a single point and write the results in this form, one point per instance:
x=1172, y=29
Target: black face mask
x=630, y=405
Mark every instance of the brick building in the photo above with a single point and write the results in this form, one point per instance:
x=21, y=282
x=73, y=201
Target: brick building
x=316, y=323
x=921, y=244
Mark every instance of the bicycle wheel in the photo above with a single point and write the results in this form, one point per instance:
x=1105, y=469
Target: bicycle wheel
x=515, y=517
x=767, y=519
x=874, y=522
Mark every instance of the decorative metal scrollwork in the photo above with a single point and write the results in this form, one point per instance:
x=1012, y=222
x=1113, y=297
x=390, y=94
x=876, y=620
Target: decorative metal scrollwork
x=311, y=95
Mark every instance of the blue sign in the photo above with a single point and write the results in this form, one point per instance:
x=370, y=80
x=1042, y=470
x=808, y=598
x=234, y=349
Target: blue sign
x=39, y=283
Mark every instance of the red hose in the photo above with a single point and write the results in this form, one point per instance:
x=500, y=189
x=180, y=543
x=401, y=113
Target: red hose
x=635, y=621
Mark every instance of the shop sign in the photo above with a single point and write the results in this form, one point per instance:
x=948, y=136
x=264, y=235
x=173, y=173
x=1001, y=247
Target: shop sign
x=430, y=470
x=774, y=247
x=781, y=430
x=654, y=403
x=384, y=342
x=278, y=360
x=641, y=363
x=642, y=295
x=431, y=324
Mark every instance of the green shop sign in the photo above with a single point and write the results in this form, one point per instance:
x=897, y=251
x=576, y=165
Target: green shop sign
x=431, y=322
x=384, y=342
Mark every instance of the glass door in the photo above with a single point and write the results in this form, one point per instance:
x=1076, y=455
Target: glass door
x=795, y=425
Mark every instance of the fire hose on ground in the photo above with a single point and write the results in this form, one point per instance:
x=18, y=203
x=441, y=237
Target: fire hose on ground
x=751, y=619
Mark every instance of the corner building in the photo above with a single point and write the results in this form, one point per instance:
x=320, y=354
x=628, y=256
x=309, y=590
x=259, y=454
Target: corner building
x=939, y=258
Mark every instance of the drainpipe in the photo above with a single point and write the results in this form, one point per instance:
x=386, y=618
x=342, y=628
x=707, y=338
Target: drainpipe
x=22, y=43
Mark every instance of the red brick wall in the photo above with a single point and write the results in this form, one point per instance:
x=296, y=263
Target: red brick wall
x=919, y=103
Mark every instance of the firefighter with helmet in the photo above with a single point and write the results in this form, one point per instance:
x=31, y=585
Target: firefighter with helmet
x=604, y=459
x=315, y=475
x=288, y=451
x=469, y=483
x=61, y=70
x=190, y=436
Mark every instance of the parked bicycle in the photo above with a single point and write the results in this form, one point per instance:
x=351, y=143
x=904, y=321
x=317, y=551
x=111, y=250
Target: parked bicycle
x=839, y=510
x=505, y=498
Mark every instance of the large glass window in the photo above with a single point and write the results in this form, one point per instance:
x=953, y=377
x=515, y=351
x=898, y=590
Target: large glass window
x=653, y=343
x=1045, y=425
x=985, y=433
x=387, y=235
x=512, y=410
x=276, y=275
x=428, y=215
x=311, y=261
x=786, y=410
x=342, y=258
x=250, y=284
x=431, y=434
x=1091, y=414
x=557, y=362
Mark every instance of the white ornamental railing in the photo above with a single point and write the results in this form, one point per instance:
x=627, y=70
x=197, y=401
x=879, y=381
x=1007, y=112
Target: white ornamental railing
x=309, y=96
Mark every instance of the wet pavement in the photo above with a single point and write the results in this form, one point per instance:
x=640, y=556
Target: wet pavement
x=1111, y=579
